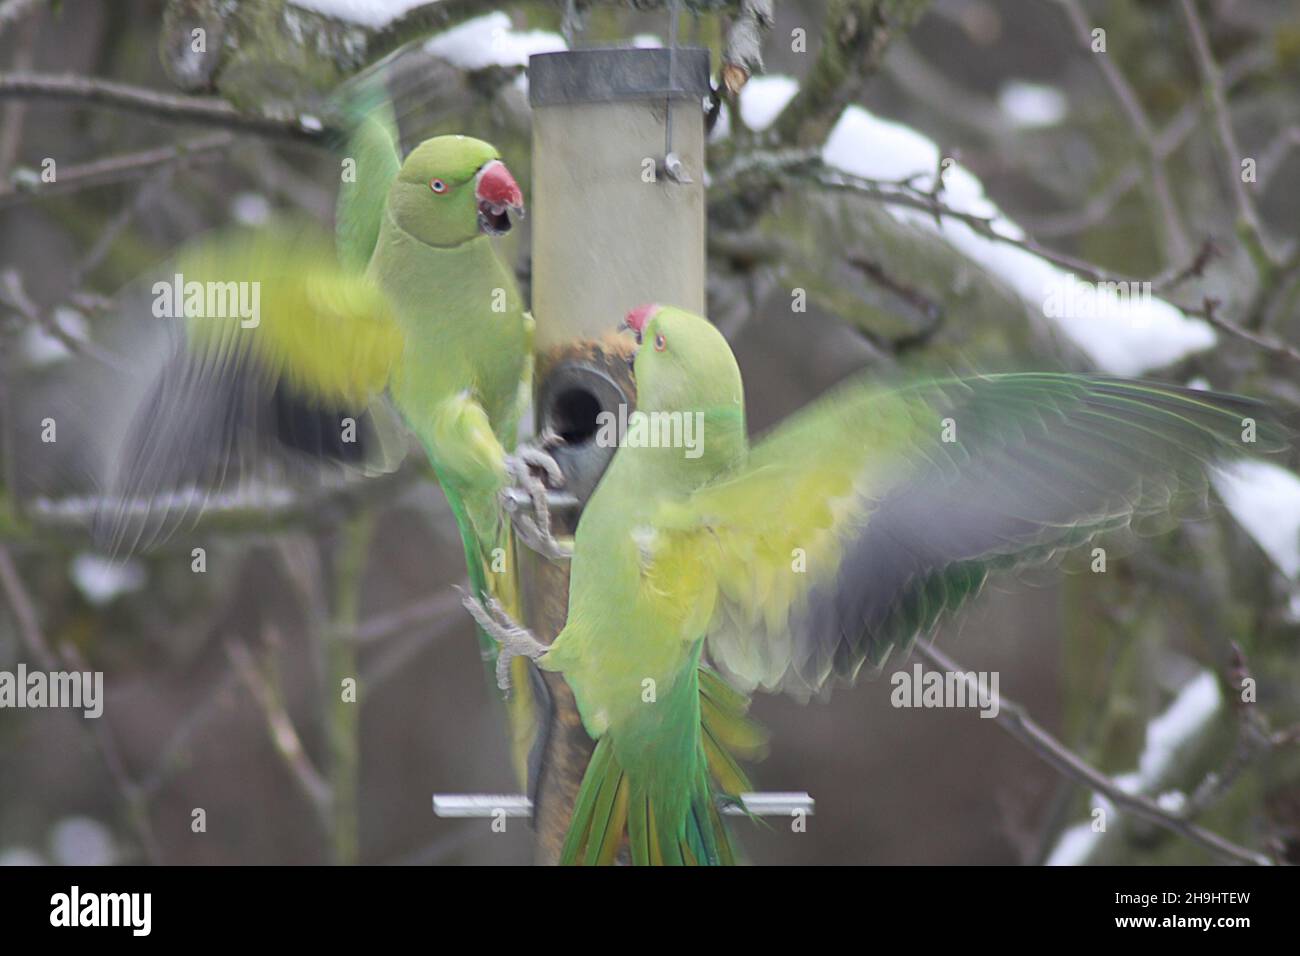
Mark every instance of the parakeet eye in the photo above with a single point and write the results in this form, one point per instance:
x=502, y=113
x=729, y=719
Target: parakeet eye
x=660, y=342
x=438, y=186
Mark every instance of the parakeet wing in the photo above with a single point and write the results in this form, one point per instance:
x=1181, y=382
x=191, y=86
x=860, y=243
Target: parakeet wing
x=370, y=161
x=294, y=385
x=860, y=521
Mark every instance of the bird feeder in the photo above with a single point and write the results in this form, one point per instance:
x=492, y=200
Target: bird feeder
x=618, y=220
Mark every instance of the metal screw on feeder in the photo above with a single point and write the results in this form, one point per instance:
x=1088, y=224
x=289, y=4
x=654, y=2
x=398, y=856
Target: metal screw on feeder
x=672, y=163
x=618, y=220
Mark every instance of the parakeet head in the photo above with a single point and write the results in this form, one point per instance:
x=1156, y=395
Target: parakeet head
x=452, y=189
x=683, y=363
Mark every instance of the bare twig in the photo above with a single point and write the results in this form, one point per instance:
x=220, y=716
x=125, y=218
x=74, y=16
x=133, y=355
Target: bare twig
x=1176, y=275
x=417, y=613
x=1174, y=237
x=24, y=611
x=11, y=505
x=903, y=193
x=956, y=102
x=856, y=37
x=11, y=11
x=117, y=168
x=1253, y=740
x=431, y=619
x=804, y=164
x=1275, y=153
x=15, y=114
x=1100, y=205
x=342, y=715
x=172, y=754
x=929, y=307
x=87, y=90
x=1013, y=718
x=1249, y=224
x=98, y=729
x=1168, y=141
x=284, y=737
x=253, y=508
x=115, y=226
x=1209, y=311
x=13, y=295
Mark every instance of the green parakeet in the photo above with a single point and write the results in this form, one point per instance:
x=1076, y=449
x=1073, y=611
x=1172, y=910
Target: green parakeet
x=411, y=305
x=832, y=542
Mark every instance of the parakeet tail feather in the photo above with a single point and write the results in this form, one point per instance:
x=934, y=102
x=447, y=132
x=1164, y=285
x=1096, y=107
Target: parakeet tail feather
x=612, y=812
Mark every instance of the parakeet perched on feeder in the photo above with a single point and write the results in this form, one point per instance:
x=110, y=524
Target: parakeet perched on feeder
x=409, y=306
x=829, y=544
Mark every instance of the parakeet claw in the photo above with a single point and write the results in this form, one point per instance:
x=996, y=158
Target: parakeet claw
x=512, y=640
x=527, y=457
x=535, y=529
x=550, y=438
x=538, y=537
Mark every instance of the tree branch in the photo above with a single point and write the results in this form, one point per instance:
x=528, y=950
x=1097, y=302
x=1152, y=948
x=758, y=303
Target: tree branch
x=86, y=90
x=1248, y=222
x=114, y=169
x=1210, y=313
x=807, y=165
x=854, y=42
x=14, y=295
x=1175, y=241
x=11, y=11
x=1013, y=718
x=99, y=731
x=342, y=716
x=284, y=737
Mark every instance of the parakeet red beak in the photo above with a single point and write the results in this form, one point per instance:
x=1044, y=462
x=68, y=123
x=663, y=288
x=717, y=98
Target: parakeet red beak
x=638, y=317
x=498, y=196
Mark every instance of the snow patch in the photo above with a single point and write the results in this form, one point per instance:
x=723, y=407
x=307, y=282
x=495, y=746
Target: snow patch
x=1032, y=105
x=367, y=13
x=763, y=98
x=1123, y=331
x=489, y=41
x=81, y=841
x=722, y=126
x=39, y=347
x=1265, y=500
x=250, y=209
x=20, y=856
x=100, y=580
x=1074, y=847
x=1193, y=709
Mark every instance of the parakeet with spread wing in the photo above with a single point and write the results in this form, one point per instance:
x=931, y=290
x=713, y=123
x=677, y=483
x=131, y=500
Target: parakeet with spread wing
x=410, y=305
x=832, y=542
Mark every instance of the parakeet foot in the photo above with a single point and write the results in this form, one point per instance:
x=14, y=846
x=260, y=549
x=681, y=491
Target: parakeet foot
x=548, y=437
x=512, y=640
x=527, y=457
x=535, y=529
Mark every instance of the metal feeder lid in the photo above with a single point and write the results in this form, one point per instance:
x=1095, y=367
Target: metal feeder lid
x=617, y=75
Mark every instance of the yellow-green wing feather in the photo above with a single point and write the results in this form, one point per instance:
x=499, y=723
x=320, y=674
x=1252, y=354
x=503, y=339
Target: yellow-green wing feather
x=295, y=383
x=859, y=522
x=368, y=166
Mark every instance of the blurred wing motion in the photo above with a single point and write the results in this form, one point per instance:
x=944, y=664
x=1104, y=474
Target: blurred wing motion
x=858, y=523
x=371, y=163
x=280, y=363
